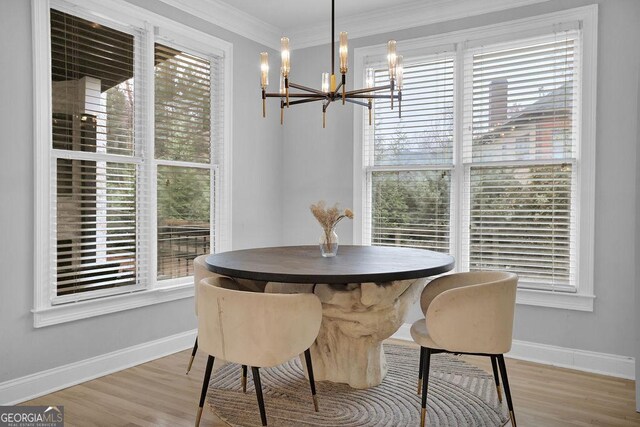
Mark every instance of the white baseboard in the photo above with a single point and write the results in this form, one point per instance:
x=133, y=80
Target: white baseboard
x=45, y=382
x=582, y=360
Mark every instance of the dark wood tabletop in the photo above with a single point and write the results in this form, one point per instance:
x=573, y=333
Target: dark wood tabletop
x=353, y=264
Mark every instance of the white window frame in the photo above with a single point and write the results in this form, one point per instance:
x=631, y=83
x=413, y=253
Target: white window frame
x=156, y=28
x=587, y=19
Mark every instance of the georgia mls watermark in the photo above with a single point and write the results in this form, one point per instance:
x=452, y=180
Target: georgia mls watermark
x=31, y=416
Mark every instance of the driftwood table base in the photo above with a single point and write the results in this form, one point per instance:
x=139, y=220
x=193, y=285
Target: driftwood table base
x=356, y=319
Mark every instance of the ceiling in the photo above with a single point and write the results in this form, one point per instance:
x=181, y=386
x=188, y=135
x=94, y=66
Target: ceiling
x=308, y=22
x=291, y=15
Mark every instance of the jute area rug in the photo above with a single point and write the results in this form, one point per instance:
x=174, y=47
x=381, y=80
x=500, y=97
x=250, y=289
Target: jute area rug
x=459, y=395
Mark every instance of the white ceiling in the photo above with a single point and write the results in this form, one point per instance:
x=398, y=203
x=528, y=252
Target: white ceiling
x=308, y=22
x=291, y=15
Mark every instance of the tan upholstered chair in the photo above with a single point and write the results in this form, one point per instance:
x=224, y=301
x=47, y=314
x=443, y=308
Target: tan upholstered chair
x=467, y=313
x=255, y=329
x=200, y=271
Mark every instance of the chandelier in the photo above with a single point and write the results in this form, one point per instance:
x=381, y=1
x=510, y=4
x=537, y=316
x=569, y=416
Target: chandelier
x=329, y=91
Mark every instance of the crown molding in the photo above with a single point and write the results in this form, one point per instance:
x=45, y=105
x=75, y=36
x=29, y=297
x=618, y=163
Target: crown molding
x=409, y=15
x=400, y=17
x=230, y=18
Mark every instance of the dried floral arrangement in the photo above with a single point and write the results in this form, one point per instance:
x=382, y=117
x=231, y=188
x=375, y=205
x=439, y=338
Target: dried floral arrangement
x=329, y=217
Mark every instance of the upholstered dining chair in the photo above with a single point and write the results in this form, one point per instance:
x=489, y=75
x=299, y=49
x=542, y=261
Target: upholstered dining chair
x=254, y=329
x=467, y=313
x=200, y=271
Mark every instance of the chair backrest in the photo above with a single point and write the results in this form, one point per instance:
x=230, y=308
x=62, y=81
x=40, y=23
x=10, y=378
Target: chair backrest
x=255, y=329
x=200, y=271
x=477, y=316
x=456, y=280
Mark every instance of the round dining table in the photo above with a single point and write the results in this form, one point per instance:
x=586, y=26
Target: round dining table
x=365, y=291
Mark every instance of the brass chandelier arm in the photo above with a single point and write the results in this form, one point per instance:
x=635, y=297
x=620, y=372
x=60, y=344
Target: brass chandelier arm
x=311, y=90
x=307, y=89
x=304, y=101
x=296, y=95
x=353, y=101
x=368, y=89
x=395, y=96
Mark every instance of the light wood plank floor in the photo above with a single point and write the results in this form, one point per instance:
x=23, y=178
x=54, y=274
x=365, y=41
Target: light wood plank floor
x=159, y=393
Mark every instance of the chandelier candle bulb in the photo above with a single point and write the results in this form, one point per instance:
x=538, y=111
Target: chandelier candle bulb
x=344, y=51
x=286, y=64
x=392, y=59
x=286, y=59
x=325, y=82
x=399, y=72
x=281, y=89
x=264, y=79
x=264, y=69
x=370, y=78
x=399, y=79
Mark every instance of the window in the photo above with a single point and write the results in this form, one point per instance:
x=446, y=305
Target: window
x=492, y=158
x=520, y=159
x=412, y=158
x=183, y=155
x=130, y=136
x=96, y=161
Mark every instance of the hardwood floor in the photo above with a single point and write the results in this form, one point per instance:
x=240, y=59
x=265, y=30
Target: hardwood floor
x=159, y=393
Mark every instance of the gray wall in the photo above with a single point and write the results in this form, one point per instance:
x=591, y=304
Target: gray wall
x=318, y=164
x=278, y=172
x=257, y=154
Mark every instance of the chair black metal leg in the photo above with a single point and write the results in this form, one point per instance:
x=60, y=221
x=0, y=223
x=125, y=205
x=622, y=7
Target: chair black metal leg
x=494, y=365
x=312, y=382
x=507, y=390
x=205, y=386
x=193, y=355
x=425, y=384
x=256, y=381
x=420, y=370
x=244, y=378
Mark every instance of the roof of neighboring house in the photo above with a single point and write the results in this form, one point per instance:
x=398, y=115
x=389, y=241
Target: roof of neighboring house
x=553, y=103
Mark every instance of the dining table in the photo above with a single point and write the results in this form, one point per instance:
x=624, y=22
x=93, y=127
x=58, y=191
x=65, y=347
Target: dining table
x=366, y=293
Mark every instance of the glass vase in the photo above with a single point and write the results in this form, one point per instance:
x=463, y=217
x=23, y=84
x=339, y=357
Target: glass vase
x=329, y=243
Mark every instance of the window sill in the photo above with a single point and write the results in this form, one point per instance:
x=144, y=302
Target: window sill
x=564, y=300
x=97, y=307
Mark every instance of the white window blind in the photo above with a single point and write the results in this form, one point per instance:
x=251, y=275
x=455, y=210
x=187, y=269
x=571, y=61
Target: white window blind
x=520, y=153
x=113, y=189
x=95, y=160
x=410, y=158
x=188, y=121
x=183, y=111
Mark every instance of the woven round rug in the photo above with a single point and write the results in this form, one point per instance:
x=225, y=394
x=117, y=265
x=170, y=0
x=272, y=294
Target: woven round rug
x=459, y=395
